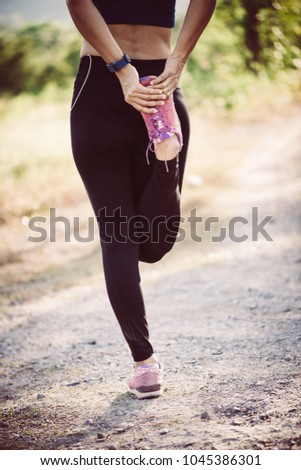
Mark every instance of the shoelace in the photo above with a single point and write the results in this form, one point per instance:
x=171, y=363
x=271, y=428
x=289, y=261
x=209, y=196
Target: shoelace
x=158, y=135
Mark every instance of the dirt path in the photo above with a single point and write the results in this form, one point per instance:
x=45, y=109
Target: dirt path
x=226, y=324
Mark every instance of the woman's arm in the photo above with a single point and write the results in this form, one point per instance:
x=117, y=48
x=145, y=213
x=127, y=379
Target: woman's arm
x=94, y=29
x=197, y=17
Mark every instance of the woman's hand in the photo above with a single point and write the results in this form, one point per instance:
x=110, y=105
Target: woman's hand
x=144, y=99
x=168, y=81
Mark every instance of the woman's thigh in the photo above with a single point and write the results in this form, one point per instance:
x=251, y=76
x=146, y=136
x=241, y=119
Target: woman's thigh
x=102, y=135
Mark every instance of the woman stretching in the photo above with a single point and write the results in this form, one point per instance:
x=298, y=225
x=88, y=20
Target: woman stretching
x=129, y=135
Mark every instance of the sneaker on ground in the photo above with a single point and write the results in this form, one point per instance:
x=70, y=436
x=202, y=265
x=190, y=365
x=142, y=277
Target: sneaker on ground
x=146, y=381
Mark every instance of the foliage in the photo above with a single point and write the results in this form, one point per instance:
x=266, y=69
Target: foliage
x=224, y=66
x=243, y=38
x=36, y=55
x=269, y=31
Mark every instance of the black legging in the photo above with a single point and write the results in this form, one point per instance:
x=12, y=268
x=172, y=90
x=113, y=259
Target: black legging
x=137, y=205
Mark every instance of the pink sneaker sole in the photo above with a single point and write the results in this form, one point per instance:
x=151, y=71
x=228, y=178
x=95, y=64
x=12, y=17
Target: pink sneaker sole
x=142, y=395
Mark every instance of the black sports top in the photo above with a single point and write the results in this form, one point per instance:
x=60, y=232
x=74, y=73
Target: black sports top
x=149, y=12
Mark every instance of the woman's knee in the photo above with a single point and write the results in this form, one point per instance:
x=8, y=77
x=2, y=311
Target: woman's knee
x=152, y=253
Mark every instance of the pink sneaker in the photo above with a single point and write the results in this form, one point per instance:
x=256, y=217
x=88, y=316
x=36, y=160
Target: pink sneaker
x=146, y=381
x=162, y=124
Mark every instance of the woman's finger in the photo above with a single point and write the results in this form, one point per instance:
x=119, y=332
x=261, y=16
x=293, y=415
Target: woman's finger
x=159, y=79
x=166, y=84
x=147, y=90
x=144, y=109
x=146, y=104
x=169, y=91
x=158, y=98
x=146, y=101
x=157, y=95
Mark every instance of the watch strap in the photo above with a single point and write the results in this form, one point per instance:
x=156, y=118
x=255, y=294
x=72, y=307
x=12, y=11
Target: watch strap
x=119, y=64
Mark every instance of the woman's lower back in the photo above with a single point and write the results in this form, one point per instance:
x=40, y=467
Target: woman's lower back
x=138, y=41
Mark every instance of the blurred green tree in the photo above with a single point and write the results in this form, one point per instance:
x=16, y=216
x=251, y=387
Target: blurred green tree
x=270, y=31
x=36, y=55
x=14, y=70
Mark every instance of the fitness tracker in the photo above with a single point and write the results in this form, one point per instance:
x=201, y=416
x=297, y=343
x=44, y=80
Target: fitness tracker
x=119, y=64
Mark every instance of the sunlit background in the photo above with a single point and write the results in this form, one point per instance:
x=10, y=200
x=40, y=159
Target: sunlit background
x=244, y=71
x=224, y=316
x=17, y=12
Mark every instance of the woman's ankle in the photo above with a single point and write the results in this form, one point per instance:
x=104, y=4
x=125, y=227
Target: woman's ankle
x=168, y=149
x=151, y=360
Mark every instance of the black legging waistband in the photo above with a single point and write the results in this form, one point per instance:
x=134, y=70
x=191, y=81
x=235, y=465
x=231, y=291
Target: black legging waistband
x=143, y=66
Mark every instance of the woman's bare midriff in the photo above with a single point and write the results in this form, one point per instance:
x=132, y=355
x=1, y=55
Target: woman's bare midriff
x=138, y=41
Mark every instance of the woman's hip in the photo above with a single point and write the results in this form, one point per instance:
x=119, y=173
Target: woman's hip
x=99, y=112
